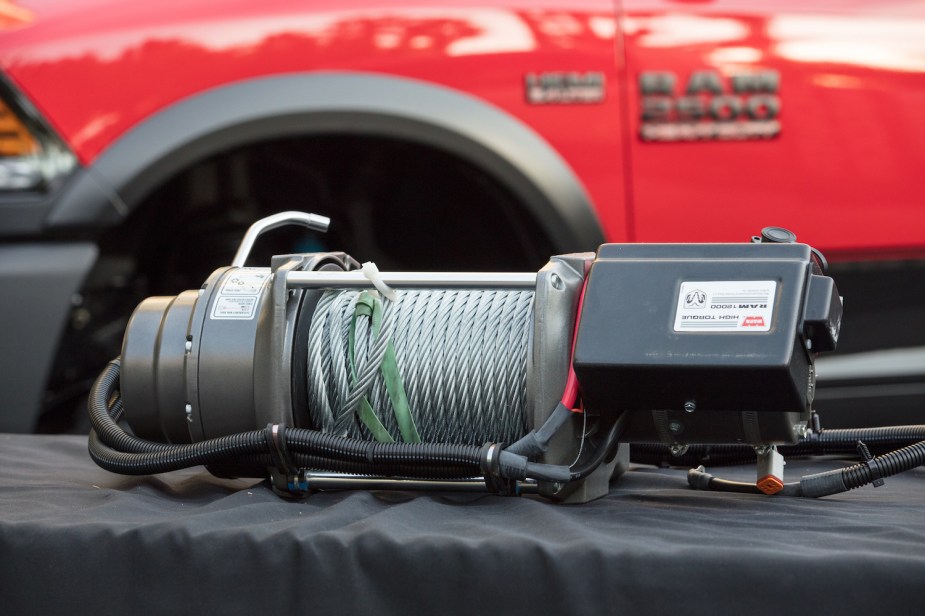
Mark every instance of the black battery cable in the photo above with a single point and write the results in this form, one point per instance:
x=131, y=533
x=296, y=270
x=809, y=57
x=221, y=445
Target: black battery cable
x=115, y=450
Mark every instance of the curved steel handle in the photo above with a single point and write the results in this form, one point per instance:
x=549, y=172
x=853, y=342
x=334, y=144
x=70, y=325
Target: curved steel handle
x=312, y=221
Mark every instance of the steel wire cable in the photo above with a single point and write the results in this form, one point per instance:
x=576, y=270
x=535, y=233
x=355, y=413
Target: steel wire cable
x=461, y=353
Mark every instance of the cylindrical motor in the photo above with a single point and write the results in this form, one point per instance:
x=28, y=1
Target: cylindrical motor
x=219, y=360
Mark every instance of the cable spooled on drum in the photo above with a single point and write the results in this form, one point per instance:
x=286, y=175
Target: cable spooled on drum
x=480, y=338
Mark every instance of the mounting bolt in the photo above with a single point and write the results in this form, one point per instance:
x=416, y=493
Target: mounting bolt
x=555, y=281
x=678, y=450
x=690, y=406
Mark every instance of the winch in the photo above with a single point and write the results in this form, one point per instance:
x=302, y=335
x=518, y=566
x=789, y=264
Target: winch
x=325, y=373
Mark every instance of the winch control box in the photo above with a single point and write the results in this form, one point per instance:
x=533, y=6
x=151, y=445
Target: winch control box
x=691, y=328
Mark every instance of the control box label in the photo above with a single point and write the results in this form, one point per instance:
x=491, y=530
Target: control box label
x=238, y=295
x=725, y=306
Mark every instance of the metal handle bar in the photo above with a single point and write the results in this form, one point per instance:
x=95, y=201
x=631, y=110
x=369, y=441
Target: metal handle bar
x=312, y=221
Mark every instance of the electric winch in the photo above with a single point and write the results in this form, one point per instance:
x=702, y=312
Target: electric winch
x=323, y=373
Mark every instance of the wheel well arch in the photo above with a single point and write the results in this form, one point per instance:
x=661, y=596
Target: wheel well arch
x=231, y=116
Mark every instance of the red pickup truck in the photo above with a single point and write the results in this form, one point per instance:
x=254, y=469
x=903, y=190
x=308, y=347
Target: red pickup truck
x=139, y=139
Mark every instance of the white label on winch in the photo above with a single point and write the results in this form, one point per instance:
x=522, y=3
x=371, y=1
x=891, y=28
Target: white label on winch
x=238, y=295
x=725, y=306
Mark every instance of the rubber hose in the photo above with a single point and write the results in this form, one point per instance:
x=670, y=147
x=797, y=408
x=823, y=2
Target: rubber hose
x=215, y=451
x=878, y=440
x=699, y=479
x=827, y=483
x=425, y=459
x=101, y=408
x=889, y=464
x=604, y=453
x=115, y=450
x=842, y=480
x=429, y=461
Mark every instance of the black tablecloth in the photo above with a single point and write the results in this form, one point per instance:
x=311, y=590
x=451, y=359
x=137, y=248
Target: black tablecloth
x=76, y=539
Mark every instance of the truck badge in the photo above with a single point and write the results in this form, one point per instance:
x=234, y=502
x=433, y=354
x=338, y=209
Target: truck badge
x=710, y=107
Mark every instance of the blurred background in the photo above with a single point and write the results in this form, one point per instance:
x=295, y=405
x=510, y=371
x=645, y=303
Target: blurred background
x=139, y=140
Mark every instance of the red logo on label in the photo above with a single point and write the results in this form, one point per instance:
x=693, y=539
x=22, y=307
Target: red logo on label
x=753, y=322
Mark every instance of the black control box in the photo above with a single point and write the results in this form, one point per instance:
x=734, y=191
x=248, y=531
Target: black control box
x=704, y=327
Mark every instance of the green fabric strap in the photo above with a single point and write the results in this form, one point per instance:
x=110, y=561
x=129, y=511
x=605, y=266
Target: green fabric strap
x=370, y=306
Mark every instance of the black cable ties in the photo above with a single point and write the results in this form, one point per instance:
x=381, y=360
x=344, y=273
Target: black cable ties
x=284, y=474
x=871, y=463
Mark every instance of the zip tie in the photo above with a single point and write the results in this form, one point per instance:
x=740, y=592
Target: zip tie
x=871, y=463
x=371, y=272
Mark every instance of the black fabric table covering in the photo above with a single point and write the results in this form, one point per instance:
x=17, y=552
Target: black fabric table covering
x=75, y=539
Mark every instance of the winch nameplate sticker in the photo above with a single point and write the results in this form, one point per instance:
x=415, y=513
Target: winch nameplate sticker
x=725, y=306
x=238, y=295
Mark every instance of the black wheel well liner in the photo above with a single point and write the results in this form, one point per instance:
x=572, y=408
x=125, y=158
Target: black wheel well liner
x=242, y=113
